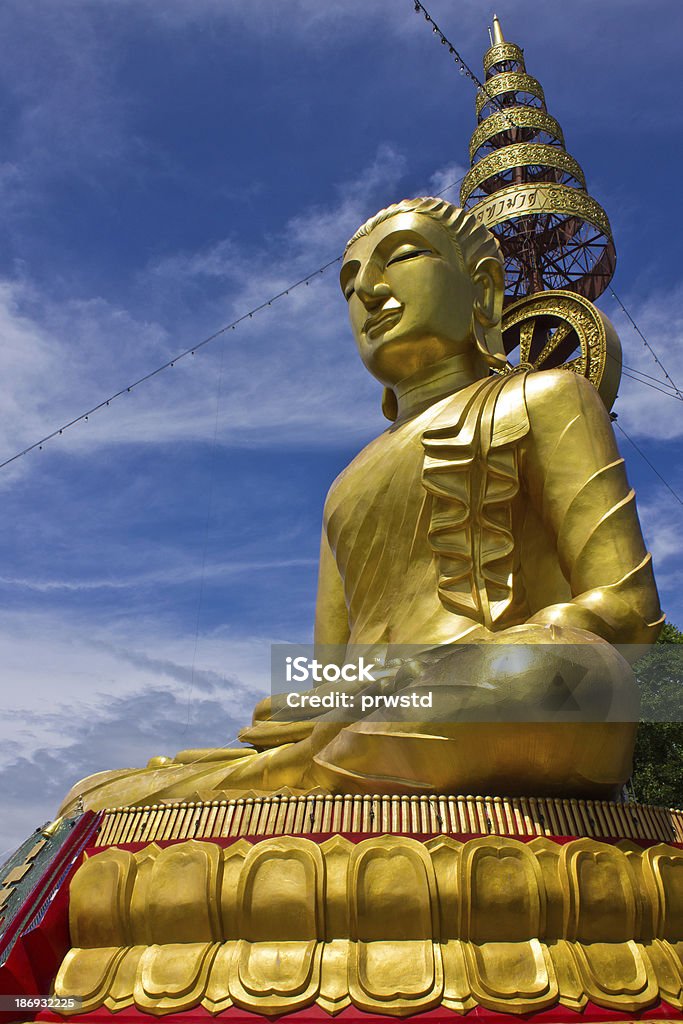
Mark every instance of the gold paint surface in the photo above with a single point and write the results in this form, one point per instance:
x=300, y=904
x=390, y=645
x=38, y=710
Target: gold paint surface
x=509, y=81
x=495, y=510
x=551, y=815
x=516, y=117
x=500, y=52
x=389, y=925
x=599, y=358
x=520, y=154
x=543, y=197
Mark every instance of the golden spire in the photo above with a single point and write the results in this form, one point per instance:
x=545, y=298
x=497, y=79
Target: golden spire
x=528, y=190
x=498, y=36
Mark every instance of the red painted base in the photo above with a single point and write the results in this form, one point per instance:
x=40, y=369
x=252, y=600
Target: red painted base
x=38, y=938
x=43, y=941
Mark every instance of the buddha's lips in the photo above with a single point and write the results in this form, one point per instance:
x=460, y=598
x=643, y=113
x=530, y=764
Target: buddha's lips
x=382, y=321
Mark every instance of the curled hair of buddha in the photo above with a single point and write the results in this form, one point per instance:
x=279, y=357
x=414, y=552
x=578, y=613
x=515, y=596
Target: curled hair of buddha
x=473, y=242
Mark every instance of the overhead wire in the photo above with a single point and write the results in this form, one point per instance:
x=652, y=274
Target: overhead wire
x=207, y=529
x=465, y=69
x=647, y=384
x=182, y=355
x=646, y=343
x=652, y=467
x=84, y=416
x=497, y=100
x=657, y=380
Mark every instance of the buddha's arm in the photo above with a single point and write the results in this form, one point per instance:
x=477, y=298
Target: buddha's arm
x=331, y=615
x=271, y=729
x=576, y=478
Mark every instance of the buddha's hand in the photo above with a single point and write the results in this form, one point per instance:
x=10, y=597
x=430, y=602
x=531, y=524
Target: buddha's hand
x=402, y=673
x=574, y=615
x=532, y=672
x=602, y=614
x=278, y=719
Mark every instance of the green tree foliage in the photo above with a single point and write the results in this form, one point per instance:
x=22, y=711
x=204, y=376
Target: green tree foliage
x=658, y=761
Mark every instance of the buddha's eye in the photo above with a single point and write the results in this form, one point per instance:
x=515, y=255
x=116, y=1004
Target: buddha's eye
x=411, y=254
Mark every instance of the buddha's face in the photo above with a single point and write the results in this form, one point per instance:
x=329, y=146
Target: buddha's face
x=410, y=300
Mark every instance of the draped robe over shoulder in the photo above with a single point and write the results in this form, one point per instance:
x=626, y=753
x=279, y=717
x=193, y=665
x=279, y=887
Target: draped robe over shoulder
x=482, y=511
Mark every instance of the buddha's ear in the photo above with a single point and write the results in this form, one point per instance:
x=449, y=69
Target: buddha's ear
x=489, y=286
x=389, y=404
x=487, y=310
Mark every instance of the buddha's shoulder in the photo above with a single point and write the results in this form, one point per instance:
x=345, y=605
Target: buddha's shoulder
x=523, y=400
x=560, y=393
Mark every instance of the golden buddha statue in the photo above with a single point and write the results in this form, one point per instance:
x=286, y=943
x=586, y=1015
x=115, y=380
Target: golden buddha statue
x=491, y=527
x=484, y=555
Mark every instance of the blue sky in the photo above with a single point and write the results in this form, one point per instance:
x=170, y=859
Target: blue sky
x=164, y=168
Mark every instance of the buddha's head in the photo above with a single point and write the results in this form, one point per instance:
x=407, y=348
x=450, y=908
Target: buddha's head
x=424, y=282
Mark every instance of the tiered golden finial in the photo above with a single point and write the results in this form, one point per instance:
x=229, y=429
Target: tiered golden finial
x=528, y=190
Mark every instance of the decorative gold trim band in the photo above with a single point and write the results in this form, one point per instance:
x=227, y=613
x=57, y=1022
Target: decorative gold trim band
x=509, y=81
x=515, y=117
x=462, y=815
x=389, y=925
x=574, y=316
x=522, y=154
x=525, y=200
x=501, y=52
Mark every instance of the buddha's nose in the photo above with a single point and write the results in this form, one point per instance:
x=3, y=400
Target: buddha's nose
x=370, y=286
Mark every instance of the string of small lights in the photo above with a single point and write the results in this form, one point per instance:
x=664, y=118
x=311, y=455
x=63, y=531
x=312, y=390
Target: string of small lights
x=207, y=528
x=634, y=374
x=84, y=416
x=461, y=63
x=169, y=363
x=647, y=376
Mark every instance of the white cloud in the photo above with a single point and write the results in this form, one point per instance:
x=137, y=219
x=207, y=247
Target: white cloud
x=326, y=231
x=123, y=732
x=288, y=375
x=661, y=516
x=88, y=697
x=69, y=664
x=661, y=523
x=87, y=692
x=180, y=573
x=643, y=411
x=447, y=180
